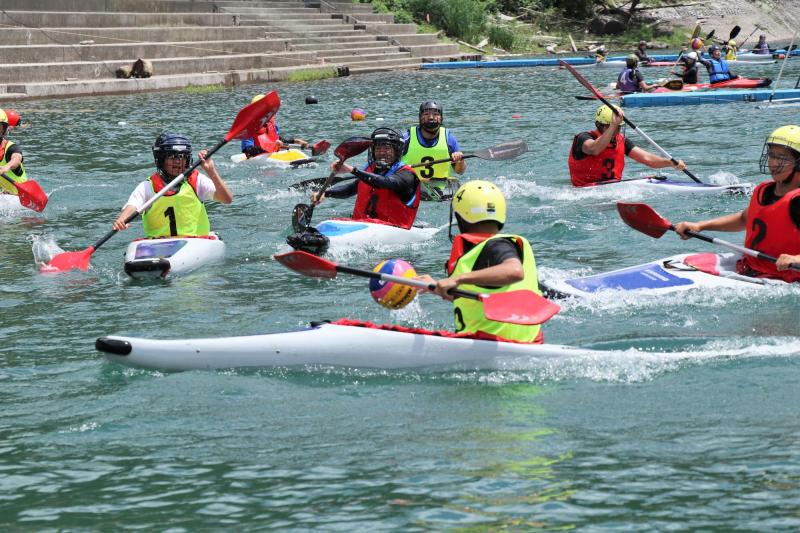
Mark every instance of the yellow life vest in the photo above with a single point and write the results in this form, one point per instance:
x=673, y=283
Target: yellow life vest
x=469, y=315
x=421, y=154
x=17, y=174
x=176, y=214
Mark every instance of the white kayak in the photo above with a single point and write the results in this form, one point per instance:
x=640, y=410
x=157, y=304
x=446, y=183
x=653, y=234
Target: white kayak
x=159, y=258
x=349, y=233
x=283, y=158
x=689, y=187
x=671, y=274
x=329, y=345
x=749, y=57
x=615, y=64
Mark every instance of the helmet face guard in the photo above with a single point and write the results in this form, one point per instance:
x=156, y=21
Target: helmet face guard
x=385, y=137
x=789, y=138
x=171, y=145
x=431, y=109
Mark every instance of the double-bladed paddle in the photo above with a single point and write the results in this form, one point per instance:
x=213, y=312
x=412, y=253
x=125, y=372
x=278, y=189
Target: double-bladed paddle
x=583, y=81
x=30, y=194
x=644, y=218
x=515, y=307
x=247, y=123
x=301, y=213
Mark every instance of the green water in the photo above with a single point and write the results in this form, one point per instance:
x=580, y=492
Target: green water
x=702, y=435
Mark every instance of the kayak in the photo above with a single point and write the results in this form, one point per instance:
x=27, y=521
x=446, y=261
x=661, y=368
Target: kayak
x=689, y=187
x=345, y=232
x=604, y=64
x=671, y=274
x=283, y=158
x=763, y=60
x=158, y=258
x=749, y=57
x=738, y=83
x=343, y=343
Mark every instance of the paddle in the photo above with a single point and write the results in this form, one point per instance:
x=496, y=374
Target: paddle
x=583, y=81
x=301, y=213
x=248, y=121
x=783, y=65
x=644, y=218
x=515, y=307
x=30, y=194
x=755, y=29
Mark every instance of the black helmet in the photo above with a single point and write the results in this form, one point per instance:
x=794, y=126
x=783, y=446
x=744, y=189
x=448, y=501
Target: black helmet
x=171, y=144
x=390, y=137
x=430, y=104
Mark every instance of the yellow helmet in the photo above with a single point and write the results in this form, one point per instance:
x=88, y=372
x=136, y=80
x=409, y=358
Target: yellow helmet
x=788, y=136
x=256, y=98
x=731, y=43
x=3, y=116
x=604, y=114
x=478, y=201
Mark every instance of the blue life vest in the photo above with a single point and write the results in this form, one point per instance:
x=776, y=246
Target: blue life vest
x=627, y=81
x=719, y=70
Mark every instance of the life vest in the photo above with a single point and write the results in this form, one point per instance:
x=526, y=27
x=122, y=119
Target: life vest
x=385, y=205
x=763, y=48
x=770, y=230
x=267, y=137
x=468, y=313
x=627, y=81
x=719, y=70
x=17, y=174
x=177, y=212
x=593, y=169
x=417, y=153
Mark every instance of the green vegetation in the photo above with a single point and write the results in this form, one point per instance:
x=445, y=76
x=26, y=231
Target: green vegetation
x=320, y=73
x=203, y=89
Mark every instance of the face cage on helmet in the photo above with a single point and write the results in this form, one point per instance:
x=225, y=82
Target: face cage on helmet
x=397, y=148
x=161, y=158
x=763, y=161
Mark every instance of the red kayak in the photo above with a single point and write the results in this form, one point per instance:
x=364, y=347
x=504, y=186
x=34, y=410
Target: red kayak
x=738, y=83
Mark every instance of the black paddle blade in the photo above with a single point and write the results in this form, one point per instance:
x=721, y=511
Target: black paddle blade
x=673, y=85
x=300, y=217
x=310, y=240
x=504, y=151
x=644, y=218
x=734, y=32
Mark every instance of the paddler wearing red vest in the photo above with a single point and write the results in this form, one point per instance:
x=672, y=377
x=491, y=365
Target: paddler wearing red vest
x=598, y=156
x=10, y=155
x=180, y=212
x=771, y=221
x=268, y=139
x=387, y=190
x=484, y=260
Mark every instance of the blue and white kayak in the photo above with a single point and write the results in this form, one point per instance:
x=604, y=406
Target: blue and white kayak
x=350, y=233
x=359, y=346
x=690, y=187
x=159, y=258
x=672, y=274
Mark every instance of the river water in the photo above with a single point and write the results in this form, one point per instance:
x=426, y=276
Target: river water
x=692, y=424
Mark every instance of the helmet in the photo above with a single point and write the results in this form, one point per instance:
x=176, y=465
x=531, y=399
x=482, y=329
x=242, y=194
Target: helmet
x=604, y=115
x=256, y=98
x=642, y=43
x=631, y=61
x=390, y=137
x=697, y=43
x=692, y=56
x=479, y=201
x=713, y=48
x=431, y=105
x=431, y=125
x=171, y=144
x=788, y=136
x=731, y=43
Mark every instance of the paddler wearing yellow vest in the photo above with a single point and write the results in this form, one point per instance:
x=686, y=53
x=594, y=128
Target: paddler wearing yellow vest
x=10, y=155
x=771, y=221
x=180, y=212
x=483, y=259
x=430, y=141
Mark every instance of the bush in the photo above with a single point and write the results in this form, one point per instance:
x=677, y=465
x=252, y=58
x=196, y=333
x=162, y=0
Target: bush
x=462, y=19
x=502, y=37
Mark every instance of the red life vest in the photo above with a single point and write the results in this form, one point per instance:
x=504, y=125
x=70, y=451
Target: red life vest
x=463, y=243
x=267, y=137
x=770, y=230
x=158, y=183
x=383, y=204
x=603, y=167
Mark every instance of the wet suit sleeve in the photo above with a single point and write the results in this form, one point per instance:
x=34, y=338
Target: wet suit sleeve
x=343, y=190
x=403, y=182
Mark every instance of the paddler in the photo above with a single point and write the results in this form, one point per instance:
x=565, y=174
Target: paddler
x=430, y=141
x=717, y=66
x=180, y=212
x=641, y=53
x=630, y=80
x=690, y=68
x=730, y=50
x=600, y=54
x=387, y=190
x=10, y=155
x=268, y=139
x=762, y=47
x=772, y=219
x=598, y=156
x=483, y=259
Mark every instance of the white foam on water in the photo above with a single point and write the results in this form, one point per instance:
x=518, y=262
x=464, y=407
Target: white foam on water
x=44, y=248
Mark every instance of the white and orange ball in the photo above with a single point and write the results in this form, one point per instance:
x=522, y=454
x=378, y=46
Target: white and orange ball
x=388, y=293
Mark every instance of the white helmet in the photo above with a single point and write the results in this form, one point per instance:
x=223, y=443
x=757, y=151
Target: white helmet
x=692, y=55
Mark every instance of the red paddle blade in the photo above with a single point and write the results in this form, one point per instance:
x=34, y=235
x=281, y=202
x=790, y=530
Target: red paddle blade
x=307, y=264
x=518, y=307
x=31, y=195
x=69, y=261
x=642, y=217
x=320, y=147
x=352, y=147
x=583, y=81
x=251, y=118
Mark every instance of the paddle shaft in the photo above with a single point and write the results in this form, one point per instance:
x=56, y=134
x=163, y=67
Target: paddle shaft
x=736, y=247
x=783, y=65
x=748, y=37
x=437, y=161
x=159, y=194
